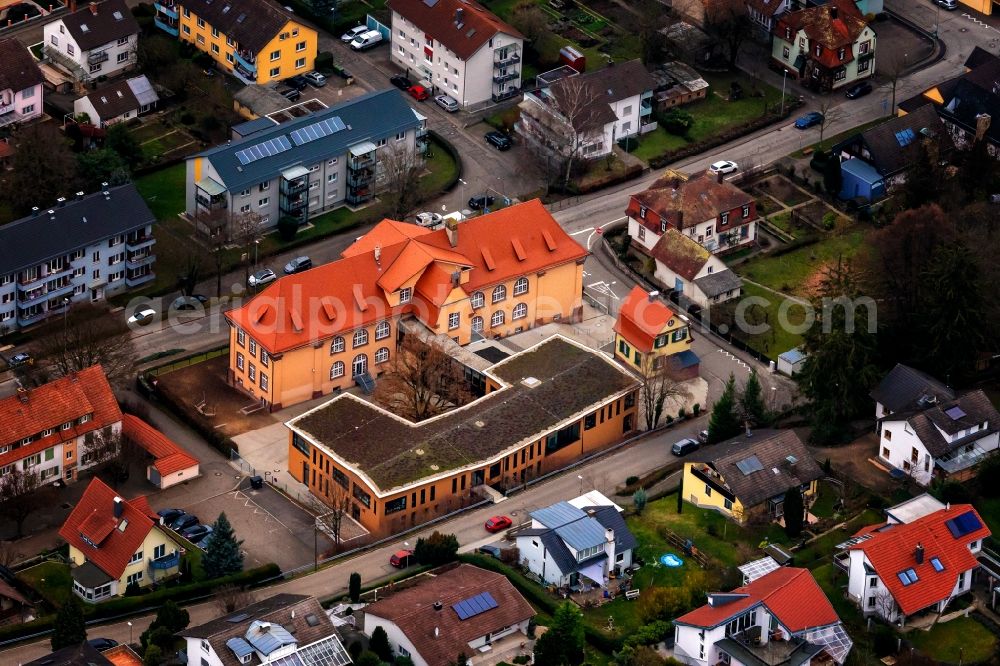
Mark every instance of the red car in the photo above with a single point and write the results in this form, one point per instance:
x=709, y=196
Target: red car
x=497, y=523
x=419, y=93
x=401, y=558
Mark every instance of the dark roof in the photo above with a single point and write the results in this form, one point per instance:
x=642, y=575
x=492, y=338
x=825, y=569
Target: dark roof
x=607, y=516
x=688, y=203
x=367, y=118
x=746, y=655
x=113, y=100
x=77, y=224
x=80, y=655
x=412, y=610
x=89, y=575
x=682, y=255
x=903, y=387
x=618, y=82
x=18, y=70
x=611, y=518
x=392, y=451
x=98, y=24
x=577, y=97
x=772, y=449
x=437, y=19
x=249, y=127
x=252, y=23
x=894, y=145
x=973, y=409
x=716, y=284
x=979, y=56
x=969, y=98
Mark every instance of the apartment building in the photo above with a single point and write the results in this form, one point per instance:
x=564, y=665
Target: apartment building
x=21, y=81
x=300, y=168
x=458, y=48
x=84, y=249
x=254, y=40
x=99, y=39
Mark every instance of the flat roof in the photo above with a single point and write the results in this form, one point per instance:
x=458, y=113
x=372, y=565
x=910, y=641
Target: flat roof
x=912, y=509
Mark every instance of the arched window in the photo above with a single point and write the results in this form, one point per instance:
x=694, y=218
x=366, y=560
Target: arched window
x=521, y=286
x=337, y=345
x=477, y=299
x=477, y=324
x=382, y=355
x=499, y=293
x=497, y=319
x=520, y=311
x=360, y=337
x=360, y=365
x=337, y=370
x=382, y=330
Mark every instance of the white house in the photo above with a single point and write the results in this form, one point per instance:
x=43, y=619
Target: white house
x=779, y=618
x=118, y=102
x=762, y=14
x=97, y=40
x=697, y=275
x=458, y=48
x=20, y=84
x=898, y=569
x=927, y=431
x=565, y=543
x=464, y=610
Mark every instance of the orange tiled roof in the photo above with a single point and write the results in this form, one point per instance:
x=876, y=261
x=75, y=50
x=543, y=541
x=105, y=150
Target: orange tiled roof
x=169, y=456
x=640, y=320
x=142, y=504
x=122, y=655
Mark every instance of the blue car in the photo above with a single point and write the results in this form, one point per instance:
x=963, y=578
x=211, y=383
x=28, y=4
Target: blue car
x=808, y=120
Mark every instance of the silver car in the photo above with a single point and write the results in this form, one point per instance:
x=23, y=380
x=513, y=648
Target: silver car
x=262, y=277
x=316, y=79
x=449, y=104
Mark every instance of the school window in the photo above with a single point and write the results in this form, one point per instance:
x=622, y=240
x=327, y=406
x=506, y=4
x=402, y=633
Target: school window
x=263, y=381
x=499, y=293
x=252, y=372
x=382, y=355
x=589, y=421
x=253, y=347
x=477, y=299
x=404, y=294
x=497, y=319
x=336, y=345
x=520, y=311
x=337, y=370
x=264, y=358
x=382, y=330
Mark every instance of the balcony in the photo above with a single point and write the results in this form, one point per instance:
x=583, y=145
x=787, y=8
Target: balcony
x=503, y=78
x=30, y=319
x=7, y=108
x=359, y=178
x=166, y=7
x=139, y=242
x=293, y=187
x=165, y=562
x=511, y=59
x=247, y=63
x=506, y=94
x=139, y=260
x=97, y=58
x=136, y=280
x=166, y=26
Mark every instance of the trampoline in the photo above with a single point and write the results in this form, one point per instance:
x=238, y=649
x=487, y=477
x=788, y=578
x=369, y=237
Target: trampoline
x=670, y=560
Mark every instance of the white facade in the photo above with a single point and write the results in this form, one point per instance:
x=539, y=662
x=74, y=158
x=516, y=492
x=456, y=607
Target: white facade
x=786, y=51
x=402, y=646
x=693, y=645
x=200, y=652
x=546, y=128
x=537, y=558
x=688, y=288
x=627, y=112
x=59, y=462
x=105, y=60
x=901, y=447
x=22, y=104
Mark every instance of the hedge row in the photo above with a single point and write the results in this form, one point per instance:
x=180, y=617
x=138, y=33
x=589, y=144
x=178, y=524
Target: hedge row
x=451, y=150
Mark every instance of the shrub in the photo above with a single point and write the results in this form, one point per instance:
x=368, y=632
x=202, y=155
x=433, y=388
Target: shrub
x=631, y=481
x=648, y=634
x=639, y=499
x=354, y=587
x=677, y=121
x=437, y=549
x=696, y=409
x=324, y=62
x=681, y=413
x=187, y=118
x=829, y=220
x=287, y=227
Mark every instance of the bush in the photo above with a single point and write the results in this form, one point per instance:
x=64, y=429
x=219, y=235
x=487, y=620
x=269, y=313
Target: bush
x=354, y=587
x=681, y=413
x=696, y=409
x=631, y=481
x=829, y=220
x=437, y=549
x=677, y=121
x=187, y=118
x=287, y=227
x=649, y=634
x=324, y=62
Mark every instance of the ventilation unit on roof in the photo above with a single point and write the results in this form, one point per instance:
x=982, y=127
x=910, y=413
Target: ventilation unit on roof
x=531, y=382
x=926, y=400
x=118, y=15
x=84, y=27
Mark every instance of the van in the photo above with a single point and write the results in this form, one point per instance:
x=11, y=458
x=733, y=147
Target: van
x=366, y=40
x=449, y=104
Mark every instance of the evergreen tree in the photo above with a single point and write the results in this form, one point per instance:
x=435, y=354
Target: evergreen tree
x=724, y=423
x=169, y=616
x=153, y=656
x=222, y=550
x=69, y=629
x=794, y=512
x=368, y=658
x=562, y=644
x=354, y=587
x=437, y=549
x=379, y=644
x=752, y=402
x=460, y=660
x=639, y=499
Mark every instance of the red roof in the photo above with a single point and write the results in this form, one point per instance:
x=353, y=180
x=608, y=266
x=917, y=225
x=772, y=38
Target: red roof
x=791, y=594
x=868, y=529
x=478, y=25
x=640, y=319
x=93, y=514
x=891, y=552
x=170, y=457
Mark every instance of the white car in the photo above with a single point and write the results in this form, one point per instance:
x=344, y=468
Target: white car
x=429, y=219
x=349, y=36
x=263, y=277
x=724, y=166
x=142, y=317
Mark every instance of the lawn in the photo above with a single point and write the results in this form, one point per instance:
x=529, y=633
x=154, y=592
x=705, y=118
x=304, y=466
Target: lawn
x=963, y=640
x=826, y=498
x=823, y=548
x=656, y=143
x=778, y=339
x=442, y=170
x=51, y=580
x=791, y=271
x=164, y=191
x=834, y=584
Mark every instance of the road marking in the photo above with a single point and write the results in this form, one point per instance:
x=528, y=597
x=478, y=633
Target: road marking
x=735, y=358
x=582, y=231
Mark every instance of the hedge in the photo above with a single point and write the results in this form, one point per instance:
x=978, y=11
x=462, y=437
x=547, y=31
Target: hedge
x=450, y=149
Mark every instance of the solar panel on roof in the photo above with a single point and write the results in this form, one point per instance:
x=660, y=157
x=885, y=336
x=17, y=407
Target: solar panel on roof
x=264, y=149
x=964, y=524
x=749, y=465
x=905, y=137
x=430, y=3
x=239, y=617
x=317, y=130
x=954, y=413
x=475, y=605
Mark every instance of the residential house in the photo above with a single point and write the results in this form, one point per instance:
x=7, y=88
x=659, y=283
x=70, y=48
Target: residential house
x=698, y=277
x=464, y=610
x=115, y=542
x=304, y=167
x=98, y=40
x=254, y=40
x=458, y=48
x=400, y=473
x=84, y=249
x=865, y=7
x=882, y=154
x=492, y=275
x=826, y=47
x=583, y=115
x=282, y=629
x=718, y=215
x=763, y=14
x=899, y=569
x=14, y=606
x=118, y=102
x=650, y=336
x=573, y=547
x=781, y=618
x=21, y=90
x=746, y=478
x=171, y=464
x=75, y=655
x=928, y=431
x=677, y=84
x=47, y=429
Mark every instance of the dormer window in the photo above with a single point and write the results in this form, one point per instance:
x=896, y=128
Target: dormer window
x=841, y=53
x=663, y=226
x=404, y=294
x=642, y=212
x=746, y=210
x=84, y=418
x=246, y=658
x=724, y=219
x=818, y=50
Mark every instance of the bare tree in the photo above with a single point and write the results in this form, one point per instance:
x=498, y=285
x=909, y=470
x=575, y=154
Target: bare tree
x=229, y=598
x=885, y=605
x=892, y=66
x=399, y=170
x=533, y=23
x=422, y=381
x=829, y=113
x=729, y=22
x=110, y=449
x=9, y=555
x=338, y=508
x=582, y=111
x=21, y=493
x=246, y=229
x=659, y=383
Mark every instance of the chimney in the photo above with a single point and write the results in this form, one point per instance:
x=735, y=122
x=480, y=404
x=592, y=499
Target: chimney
x=72, y=6
x=833, y=12
x=52, y=214
x=747, y=426
x=451, y=229
x=456, y=279
x=118, y=507
x=918, y=554
x=438, y=605
x=265, y=627
x=982, y=124
x=680, y=220
x=22, y=394
x=61, y=201
x=93, y=8
x=378, y=255
x=653, y=295
x=458, y=15
x=718, y=177
x=437, y=632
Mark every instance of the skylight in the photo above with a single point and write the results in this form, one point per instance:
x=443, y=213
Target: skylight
x=123, y=524
x=907, y=577
x=84, y=27
x=954, y=413
x=936, y=563
x=905, y=137
x=749, y=465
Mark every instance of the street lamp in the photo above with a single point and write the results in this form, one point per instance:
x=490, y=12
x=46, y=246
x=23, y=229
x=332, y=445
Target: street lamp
x=784, y=75
x=256, y=246
x=129, y=632
x=580, y=476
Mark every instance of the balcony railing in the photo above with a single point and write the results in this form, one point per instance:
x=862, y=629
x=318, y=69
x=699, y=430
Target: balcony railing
x=294, y=186
x=507, y=94
x=509, y=60
x=247, y=62
x=503, y=78
x=135, y=281
x=165, y=562
x=138, y=261
x=359, y=178
x=139, y=242
x=714, y=482
x=97, y=58
x=166, y=26
x=7, y=108
x=166, y=7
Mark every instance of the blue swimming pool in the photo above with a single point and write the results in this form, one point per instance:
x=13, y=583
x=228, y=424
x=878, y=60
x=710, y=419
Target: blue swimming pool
x=671, y=560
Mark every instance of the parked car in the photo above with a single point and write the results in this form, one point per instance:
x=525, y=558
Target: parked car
x=168, y=516
x=102, y=644
x=298, y=82
x=448, y=103
x=19, y=359
x=196, y=533
x=481, y=201
x=142, y=316
x=492, y=551
x=298, y=264
x=183, y=521
x=189, y=302
x=315, y=79
x=291, y=94
x=499, y=140
x=264, y=276
x=859, y=89
x=703, y=437
x=684, y=447
x=349, y=36
x=808, y=120
x=419, y=93
x=428, y=219
x=401, y=82
x=366, y=40
x=498, y=523
x=724, y=166
x=401, y=558
x=948, y=4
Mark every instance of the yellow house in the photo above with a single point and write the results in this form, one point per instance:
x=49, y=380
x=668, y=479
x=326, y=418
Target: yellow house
x=336, y=325
x=251, y=39
x=746, y=478
x=114, y=542
x=649, y=335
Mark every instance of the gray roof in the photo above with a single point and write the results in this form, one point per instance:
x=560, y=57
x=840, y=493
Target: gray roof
x=615, y=83
x=77, y=224
x=113, y=100
x=97, y=25
x=962, y=413
x=802, y=653
x=903, y=387
x=893, y=146
x=262, y=100
x=90, y=575
x=18, y=70
x=367, y=118
x=253, y=126
x=580, y=528
x=77, y=655
x=716, y=284
x=762, y=466
x=572, y=525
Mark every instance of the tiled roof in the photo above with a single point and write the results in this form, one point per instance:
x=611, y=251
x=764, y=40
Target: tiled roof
x=98, y=24
x=766, y=8
x=438, y=19
x=252, y=23
x=718, y=283
x=903, y=386
x=792, y=595
x=51, y=405
x=72, y=656
x=978, y=57
x=412, y=610
x=698, y=199
x=618, y=82
x=18, y=70
x=169, y=456
x=684, y=256
x=889, y=154
x=891, y=552
x=6, y=590
x=975, y=409
x=641, y=319
x=822, y=27
x=92, y=517
x=122, y=655
x=113, y=100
